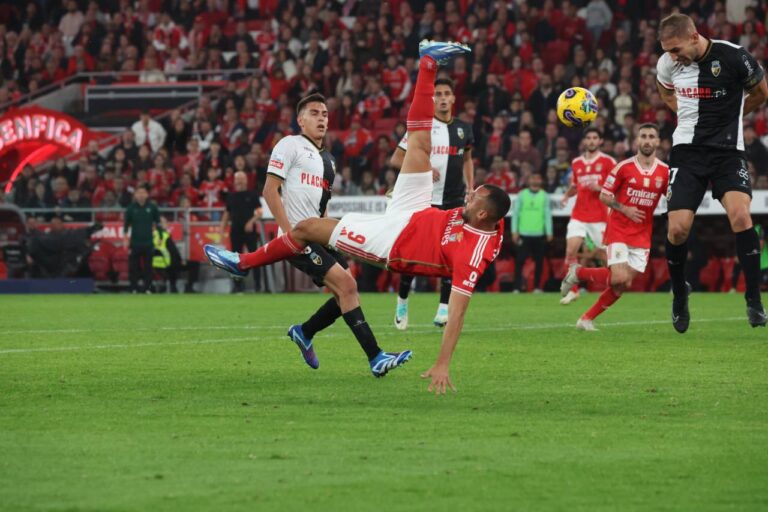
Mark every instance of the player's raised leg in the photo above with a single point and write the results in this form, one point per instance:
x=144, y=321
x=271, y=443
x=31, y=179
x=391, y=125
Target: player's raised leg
x=422, y=110
x=290, y=244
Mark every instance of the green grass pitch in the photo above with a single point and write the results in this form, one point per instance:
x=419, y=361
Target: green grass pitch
x=183, y=403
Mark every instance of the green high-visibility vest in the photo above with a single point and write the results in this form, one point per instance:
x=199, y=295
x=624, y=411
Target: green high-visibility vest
x=162, y=256
x=532, y=216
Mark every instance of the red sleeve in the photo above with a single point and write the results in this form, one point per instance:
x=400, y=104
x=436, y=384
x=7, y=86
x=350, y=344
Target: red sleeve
x=613, y=181
x=465, y=276
x=476, y=256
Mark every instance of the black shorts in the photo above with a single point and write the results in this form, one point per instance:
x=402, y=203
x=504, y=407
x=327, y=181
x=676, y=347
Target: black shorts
x=450, y=205
x=316, y=261
x=692, y=168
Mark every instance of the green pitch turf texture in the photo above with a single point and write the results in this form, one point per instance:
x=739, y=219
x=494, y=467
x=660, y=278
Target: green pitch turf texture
x=181, y=403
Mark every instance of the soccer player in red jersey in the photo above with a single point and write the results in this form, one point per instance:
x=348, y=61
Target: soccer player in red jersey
x=632, y=190
x=589, y=214
x=411, y=237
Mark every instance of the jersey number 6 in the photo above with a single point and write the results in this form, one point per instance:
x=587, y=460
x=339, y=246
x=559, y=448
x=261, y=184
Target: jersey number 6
x=358, y=239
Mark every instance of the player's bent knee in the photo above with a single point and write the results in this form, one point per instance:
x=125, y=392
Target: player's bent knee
x=341, y=282
x=678, y=232
x=741, y=221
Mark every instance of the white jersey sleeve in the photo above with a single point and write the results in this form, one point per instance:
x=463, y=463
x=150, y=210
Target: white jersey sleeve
x=664, y=71
x=282, y=158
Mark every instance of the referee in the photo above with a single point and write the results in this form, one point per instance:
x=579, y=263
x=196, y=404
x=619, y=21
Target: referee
x=244, y=211
x=453, y=173
x=711, y=85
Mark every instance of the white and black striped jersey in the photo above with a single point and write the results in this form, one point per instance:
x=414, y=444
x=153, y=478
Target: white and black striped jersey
x=307, y=172
x=449, y=143
x=710, y=94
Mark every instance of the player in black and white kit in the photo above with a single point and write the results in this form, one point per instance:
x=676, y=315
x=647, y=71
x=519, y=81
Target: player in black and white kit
x=303, y=170
x=711, y=84
x=453, y=174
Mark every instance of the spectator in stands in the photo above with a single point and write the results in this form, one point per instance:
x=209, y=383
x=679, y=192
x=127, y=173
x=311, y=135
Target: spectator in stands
x=151, y=73
x=75, y=200
x=501, y=176
x=184, y=190
x=21, y=188
x=211, y=192
x=141, y=218
x=357, y=142
x=127, y=145
x=344, y=184
x=40, y=199
x=148, y=132
x=524, y=151
x=599, y=18
x=493, y=97
x=552, y=182
x=542, y=100
x=143, y=161
x=376, y=103
x=122, y=194
x=110, y=210
x=70, y=23
x=368, y=184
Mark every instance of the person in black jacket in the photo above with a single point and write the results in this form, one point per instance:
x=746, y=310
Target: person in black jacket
x=243, y=211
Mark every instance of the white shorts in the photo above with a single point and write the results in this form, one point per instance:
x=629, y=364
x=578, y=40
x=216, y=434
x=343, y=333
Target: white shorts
x=636, y=257
x=370, y=237
x=595, y=230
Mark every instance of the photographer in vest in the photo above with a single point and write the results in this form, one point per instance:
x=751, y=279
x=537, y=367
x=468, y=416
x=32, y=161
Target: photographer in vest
x=531, y=230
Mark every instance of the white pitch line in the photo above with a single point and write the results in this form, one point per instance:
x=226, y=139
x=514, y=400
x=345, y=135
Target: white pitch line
x=379, y=326
x=340, y=335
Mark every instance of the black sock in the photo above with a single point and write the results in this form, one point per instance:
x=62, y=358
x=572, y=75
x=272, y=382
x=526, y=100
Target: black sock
x=445, y=289
x=405, y=286
x=356, y=322
x=748, y=250
x=323, y=317
x=676, y=258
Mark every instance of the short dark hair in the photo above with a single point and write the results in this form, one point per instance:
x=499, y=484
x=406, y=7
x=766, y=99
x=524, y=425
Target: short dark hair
x=676, y=25
x=312, y=98
x=648, y=126
x=498, y=200
x=445, y=81
x=592, y=129
x=142, y=186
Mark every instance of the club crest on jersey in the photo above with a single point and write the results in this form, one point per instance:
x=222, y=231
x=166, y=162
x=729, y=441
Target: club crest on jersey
x=316, y=259
x=460, y=132
x=599, y=167
x=659, y=182
x=716, y=68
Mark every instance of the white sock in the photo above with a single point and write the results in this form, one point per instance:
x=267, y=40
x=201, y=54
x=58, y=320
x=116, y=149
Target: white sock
x=401, y=301
x=442, y=307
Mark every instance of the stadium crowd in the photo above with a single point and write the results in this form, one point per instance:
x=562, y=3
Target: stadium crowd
x=362, y=57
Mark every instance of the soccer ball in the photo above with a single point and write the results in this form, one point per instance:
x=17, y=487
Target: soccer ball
x=576, y=107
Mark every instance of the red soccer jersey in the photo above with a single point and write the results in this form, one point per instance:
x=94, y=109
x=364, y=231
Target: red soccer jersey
x=210, y=192
x=588, y=207
x=638, y=187
x=438, y=243
x=395, y=80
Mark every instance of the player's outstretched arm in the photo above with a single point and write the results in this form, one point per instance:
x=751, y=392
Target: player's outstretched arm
x=439, y=375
